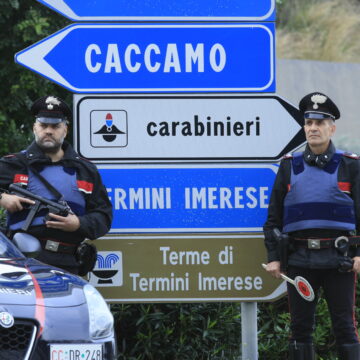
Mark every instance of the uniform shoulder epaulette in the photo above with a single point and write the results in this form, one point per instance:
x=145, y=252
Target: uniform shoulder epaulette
x=351, y=155
x=9, y=156
x=15, y=155
x=86, y=163
x=85, y=159
x=287, y=156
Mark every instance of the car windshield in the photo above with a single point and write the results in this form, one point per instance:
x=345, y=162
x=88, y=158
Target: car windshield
x=7, y=249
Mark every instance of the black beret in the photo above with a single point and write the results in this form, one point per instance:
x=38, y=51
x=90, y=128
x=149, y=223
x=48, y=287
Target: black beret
x=50, y=109
x=318, y=106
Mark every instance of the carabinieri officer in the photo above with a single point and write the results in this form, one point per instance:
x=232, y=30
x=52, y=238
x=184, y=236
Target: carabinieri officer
x=316, y=201
x=50, y=159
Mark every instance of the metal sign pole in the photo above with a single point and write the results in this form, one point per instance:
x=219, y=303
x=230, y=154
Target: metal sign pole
x=249, y=340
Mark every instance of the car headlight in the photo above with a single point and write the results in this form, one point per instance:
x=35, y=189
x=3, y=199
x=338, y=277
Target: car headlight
x=101, y=321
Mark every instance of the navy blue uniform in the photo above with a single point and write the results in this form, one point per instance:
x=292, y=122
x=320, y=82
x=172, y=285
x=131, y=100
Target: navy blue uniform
x=78, y=181
x=326, y=205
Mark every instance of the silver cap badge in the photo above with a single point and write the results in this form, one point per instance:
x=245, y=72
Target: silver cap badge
x=51, y=101
x=318, y=99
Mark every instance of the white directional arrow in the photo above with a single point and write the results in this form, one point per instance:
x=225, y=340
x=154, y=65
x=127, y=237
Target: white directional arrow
x=113, y=57
x=34, y=57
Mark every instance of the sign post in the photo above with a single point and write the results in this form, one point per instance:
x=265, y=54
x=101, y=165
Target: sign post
x=228, y=48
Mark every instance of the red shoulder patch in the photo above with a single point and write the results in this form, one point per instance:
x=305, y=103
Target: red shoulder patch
x=85, y=186
x=344, y=186
x=9, y=156
x=21, y=179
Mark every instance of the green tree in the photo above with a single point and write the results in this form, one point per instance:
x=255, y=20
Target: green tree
x=22, y=23
x=153, y=331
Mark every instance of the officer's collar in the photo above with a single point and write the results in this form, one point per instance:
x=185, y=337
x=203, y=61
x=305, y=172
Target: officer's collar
x=34, y=152
x=319, y=160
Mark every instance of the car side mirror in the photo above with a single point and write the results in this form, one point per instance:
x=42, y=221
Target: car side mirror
x=27, y=244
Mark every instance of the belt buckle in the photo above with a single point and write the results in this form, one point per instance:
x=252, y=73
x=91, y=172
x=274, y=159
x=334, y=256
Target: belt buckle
x=313, y=243
x=52, y=245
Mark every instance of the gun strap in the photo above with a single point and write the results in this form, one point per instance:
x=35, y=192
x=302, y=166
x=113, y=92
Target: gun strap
x=51, y=188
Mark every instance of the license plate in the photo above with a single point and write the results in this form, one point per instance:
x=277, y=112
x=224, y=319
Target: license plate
x=76, y=352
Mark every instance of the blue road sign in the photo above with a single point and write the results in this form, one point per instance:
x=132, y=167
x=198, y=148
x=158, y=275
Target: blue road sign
x=189, y=199
x=183, y=10
x=115, y=58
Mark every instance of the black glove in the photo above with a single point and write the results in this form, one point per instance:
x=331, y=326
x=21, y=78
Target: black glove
x=345, y=264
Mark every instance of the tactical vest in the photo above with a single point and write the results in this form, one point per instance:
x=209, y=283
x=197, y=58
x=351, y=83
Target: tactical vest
x=314, y=200
x=64, y=181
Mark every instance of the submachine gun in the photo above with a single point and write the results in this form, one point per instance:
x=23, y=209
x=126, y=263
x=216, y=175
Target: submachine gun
x=60, y=208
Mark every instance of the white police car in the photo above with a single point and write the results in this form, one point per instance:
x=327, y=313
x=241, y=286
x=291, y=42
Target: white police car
x=46, y=313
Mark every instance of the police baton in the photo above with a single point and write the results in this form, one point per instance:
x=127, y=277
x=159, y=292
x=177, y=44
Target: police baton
x=301, y=285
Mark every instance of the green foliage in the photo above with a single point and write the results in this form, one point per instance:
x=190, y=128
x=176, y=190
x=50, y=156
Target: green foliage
x=322, y=30
x=212, y=331
x=178, y=331
x=273, y=325
x=292, y=14
x=22, y=24
x=204, y=331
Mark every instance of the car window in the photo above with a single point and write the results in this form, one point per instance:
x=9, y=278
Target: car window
x=8, y=249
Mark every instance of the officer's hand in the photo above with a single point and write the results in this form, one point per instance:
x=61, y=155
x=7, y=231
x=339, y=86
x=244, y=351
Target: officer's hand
x=64, y=223
x=13, y=203
x=356, y=266
x=274, y=269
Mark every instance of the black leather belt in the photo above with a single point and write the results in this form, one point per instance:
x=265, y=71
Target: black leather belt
x=325, y=243
x=58, y=246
